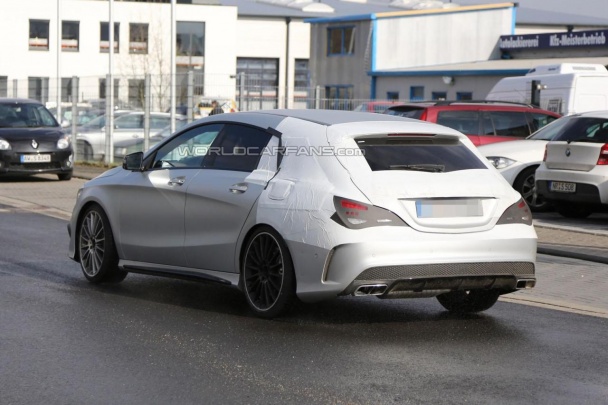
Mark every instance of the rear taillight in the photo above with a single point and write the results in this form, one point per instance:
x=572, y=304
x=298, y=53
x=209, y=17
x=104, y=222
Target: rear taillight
x=603, y=159
x=518, y=213
x=545, y=155
x=357, y=215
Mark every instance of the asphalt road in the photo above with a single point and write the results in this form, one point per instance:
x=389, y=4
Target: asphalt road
x=160, y=341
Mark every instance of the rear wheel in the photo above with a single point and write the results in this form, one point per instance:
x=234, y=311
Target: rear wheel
x=98, y=256
x=525, y=184
x=87, y=152
x=468, y=301
x=573, y=210
x=268, y=277
x=65, y=176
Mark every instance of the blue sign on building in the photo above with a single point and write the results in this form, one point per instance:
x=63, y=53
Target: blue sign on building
x=579, y=39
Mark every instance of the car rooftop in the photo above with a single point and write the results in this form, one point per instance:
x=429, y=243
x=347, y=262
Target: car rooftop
x=18, y=100
x=333, y=117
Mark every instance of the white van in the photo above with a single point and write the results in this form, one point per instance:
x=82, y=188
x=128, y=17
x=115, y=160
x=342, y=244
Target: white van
x=566, y=88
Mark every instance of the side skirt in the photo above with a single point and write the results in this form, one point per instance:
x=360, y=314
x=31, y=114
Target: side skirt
x=183, y=273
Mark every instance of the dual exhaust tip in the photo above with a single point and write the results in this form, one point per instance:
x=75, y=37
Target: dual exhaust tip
x=380, y=289
x=371, y=289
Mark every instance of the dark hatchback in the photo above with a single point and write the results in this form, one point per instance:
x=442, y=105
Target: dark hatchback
x=31, y=140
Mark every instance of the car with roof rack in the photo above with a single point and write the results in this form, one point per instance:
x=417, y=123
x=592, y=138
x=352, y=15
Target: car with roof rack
x=483, y=121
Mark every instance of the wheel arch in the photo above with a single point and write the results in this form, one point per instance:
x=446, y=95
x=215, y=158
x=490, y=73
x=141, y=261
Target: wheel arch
x=85, y=207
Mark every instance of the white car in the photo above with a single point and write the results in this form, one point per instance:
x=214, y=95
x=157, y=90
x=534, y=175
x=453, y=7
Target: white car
x=518, y=160
x=311, y=205
x=126, y=126
x=574, y=173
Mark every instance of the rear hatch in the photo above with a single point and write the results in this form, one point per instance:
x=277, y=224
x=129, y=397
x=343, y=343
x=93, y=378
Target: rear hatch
x=579, y=145
x=430, y=176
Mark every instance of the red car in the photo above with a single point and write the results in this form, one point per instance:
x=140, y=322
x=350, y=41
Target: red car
x=482, y=121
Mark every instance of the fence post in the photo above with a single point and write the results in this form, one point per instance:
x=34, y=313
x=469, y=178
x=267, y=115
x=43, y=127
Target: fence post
x=190, y=102
x=15, y=88
x=317, y=97
x=241, y=91
x=147, y=105
x=74, y=118
x=109, y=122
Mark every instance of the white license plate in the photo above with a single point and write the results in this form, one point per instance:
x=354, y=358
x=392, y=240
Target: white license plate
x=449, y=208
x=562, y=187
x=35, y=158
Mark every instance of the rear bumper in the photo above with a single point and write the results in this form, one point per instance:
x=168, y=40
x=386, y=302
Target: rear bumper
x=591, y=187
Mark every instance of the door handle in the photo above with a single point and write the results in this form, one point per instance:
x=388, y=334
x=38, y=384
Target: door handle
x=238, y=188
x=177, y=181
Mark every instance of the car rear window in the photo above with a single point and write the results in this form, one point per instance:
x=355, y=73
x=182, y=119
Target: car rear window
x=583, y=129
x=407, y=112
x=429, y=154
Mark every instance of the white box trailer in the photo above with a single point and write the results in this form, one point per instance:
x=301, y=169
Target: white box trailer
x=566, y=88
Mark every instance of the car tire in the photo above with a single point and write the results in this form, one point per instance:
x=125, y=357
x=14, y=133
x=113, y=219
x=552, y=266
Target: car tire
x=526, y=186
x=468, y=301
x=96, y=248
x=573, y=210
x=267, y=274
x=65, y=176
x=87, y=152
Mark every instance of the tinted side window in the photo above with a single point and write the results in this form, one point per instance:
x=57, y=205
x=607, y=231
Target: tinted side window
x=539, y=120
x=239, y=148
x=466, y=122
x=509, y=123
x=159, y=122
x=188, y=149
x=130, y=122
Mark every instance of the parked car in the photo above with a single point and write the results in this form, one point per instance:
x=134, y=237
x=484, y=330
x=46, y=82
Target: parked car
x=85, y=114
x=128, y=146
x=376, y=106
x=204, y=106
x=126, y=126
x=482, y=121
x=31, y=140
x=517, y=161
x=311, y=205
x=574, y=171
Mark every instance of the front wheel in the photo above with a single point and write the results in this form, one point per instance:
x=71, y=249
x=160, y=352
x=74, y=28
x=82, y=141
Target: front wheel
x=268, y=276
x=98, y=256
x=64, y=176
x=526, y=186
x=468, y=301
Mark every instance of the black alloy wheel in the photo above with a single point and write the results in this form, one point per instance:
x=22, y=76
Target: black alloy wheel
x=526, y=185
x=268, y=276
x=97, y=252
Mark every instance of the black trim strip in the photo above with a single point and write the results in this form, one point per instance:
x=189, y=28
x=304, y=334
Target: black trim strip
x=179, y=274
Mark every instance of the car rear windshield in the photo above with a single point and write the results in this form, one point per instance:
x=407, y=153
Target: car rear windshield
x=580, y=129
x=407, y=112
x=424, y=153
x=22, y=115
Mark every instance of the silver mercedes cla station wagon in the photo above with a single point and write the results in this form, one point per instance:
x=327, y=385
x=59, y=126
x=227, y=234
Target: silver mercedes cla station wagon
x=311, y=205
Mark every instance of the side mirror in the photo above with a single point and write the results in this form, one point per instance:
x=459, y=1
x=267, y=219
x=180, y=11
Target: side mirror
x=133, y=161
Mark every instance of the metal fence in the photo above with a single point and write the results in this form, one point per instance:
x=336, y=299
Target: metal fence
x=83, y=99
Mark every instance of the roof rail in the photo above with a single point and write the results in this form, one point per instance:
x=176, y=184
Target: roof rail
x=449, y=102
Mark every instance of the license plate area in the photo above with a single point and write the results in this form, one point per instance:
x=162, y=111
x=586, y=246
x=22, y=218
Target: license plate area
x=449, y=208
x=35, y=158
x=562, y=187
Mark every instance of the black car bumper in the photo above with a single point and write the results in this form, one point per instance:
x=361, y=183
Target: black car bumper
x=12, y=162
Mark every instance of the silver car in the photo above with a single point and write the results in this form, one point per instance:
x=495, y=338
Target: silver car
x=574, y=171
x=311, y=205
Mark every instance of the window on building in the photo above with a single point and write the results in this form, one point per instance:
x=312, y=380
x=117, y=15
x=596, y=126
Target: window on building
x=138, y=38
x=190, y=39
x=102, y=89
x=39, y=35
x=416, y=93
x=104, y=37
x=3, y=86
x=341, y=41
x=261, y=81
x=339, y=97
x=136, y=93
x=66, y=89
x=464, y=95
x=70, y=36
x=301, y=78
x=439, y=95
x=38, y=88
x=392, y=95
